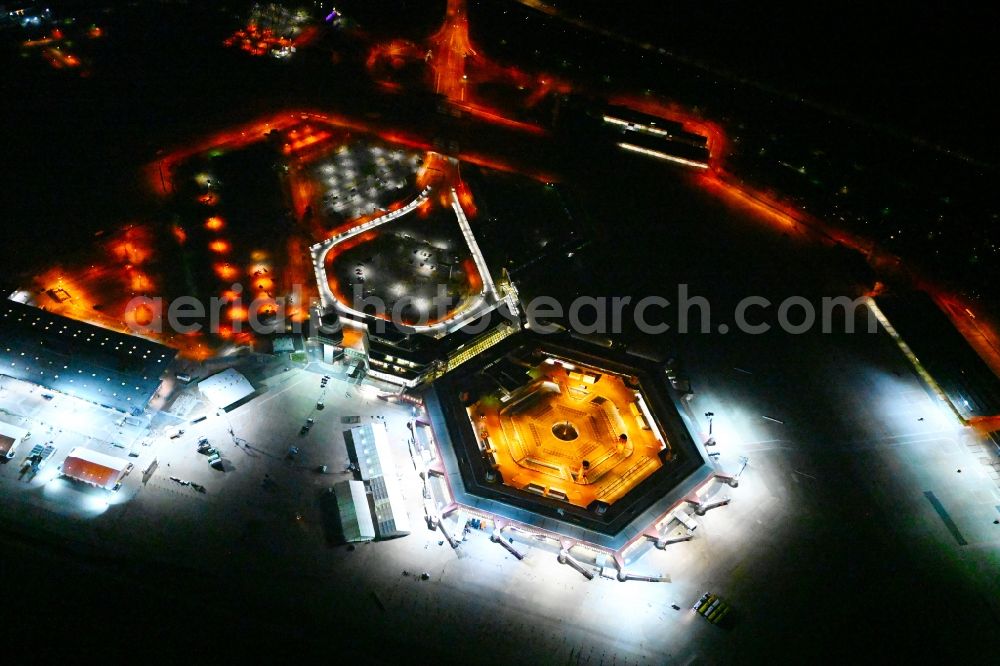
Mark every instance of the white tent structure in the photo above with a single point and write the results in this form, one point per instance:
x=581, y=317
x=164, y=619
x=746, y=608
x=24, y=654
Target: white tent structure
x=225, y=388
x=355, y=513
x=10, y=437
x=368, y=447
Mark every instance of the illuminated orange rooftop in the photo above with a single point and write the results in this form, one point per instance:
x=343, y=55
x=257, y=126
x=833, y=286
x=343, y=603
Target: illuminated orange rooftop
x=574, y=433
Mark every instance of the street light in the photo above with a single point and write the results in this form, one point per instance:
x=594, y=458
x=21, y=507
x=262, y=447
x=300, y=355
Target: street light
x=237, y=441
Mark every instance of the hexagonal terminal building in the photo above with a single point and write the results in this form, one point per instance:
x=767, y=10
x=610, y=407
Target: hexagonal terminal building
x=578, y=442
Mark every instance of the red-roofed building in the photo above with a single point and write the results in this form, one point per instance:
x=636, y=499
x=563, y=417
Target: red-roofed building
x=97, y=469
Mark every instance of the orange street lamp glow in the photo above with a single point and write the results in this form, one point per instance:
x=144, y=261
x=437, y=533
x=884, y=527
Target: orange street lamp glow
x=219, y=246
x=225, y=271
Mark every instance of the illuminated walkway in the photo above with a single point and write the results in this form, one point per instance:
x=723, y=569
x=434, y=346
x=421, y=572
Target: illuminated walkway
x=470, y=239
x=474, y=309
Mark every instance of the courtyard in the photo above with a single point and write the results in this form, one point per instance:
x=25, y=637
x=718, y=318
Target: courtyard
x=575, y=433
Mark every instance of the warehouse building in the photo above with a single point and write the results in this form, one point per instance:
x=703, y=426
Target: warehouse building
x=102, y=366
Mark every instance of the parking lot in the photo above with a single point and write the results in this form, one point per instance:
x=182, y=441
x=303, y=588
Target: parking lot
x=361, y=179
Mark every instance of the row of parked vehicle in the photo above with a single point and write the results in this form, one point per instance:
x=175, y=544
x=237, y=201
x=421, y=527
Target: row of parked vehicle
x=205, y=448
x=319, y=405
x=711, y=607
